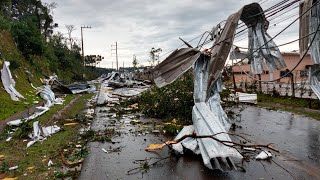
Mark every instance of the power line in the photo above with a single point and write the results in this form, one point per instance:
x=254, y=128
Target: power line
x=279, y=32
x=283, y=43
x=274, y=24
x=272, y=37
x=272, y=19
x=276, y=36
x=289, y=72
x=278, y=5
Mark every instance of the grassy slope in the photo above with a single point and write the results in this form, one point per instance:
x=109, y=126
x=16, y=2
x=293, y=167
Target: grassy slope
x=36, y=157
x=11, y=53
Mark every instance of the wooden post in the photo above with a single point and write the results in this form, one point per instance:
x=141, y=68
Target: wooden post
x=260, y=86
x=292, y=86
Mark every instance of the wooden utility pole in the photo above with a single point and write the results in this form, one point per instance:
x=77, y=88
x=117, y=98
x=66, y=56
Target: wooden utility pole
x=82, y=27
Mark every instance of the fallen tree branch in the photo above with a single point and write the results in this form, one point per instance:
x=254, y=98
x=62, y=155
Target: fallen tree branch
x=231, y=144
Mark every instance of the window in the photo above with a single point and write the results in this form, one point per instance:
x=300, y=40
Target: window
x=282, y=73
x=307, y=67
x=304, y=73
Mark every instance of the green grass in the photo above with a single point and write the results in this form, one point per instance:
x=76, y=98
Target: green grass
x=37, y=155
x=18, y=65
x=290, y=104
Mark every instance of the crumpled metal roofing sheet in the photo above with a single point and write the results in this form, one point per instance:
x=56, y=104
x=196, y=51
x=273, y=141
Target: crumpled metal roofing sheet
x=9, y=83
x=208, y=116
x=314, y=77
x=314, y=23
x=175, y=65
x=308, y=24
x=304, y=22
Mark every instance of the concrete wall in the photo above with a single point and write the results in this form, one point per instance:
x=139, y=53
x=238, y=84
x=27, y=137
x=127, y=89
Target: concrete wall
x=291, y=59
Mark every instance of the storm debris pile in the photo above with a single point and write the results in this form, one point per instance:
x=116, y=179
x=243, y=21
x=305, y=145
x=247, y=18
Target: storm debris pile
x=207, y=115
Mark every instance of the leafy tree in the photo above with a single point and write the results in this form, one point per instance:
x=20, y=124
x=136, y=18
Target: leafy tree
x=5, y=8
x=93, y=60
x=41, y=13
x=135, y=62
x=28, y=39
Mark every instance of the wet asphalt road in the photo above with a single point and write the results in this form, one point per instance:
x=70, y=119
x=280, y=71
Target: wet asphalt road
x=297, y=137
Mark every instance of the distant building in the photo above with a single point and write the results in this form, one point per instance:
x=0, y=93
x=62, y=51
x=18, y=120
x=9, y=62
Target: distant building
x=291, y=59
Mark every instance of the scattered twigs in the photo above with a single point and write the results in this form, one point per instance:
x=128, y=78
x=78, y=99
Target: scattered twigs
x=284, y=169
x=224, y=142
x=264, y=167
x=145, y=165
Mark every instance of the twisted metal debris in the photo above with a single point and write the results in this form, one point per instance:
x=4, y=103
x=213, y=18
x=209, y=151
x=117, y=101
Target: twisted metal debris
x=208, y=116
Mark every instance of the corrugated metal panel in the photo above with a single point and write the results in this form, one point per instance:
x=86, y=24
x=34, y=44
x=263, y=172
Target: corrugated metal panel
x=304, y=25
x=314, y=23
x=314, y=76
x=209, y=118
x=175, y=65
x=9, y=83
x=269, y=53
x=207, y=115
x=206, y=122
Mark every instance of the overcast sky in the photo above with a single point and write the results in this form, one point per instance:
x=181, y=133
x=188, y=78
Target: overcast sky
x=139, y=25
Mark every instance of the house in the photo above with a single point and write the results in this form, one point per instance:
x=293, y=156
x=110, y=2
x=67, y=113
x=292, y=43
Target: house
x=300, y=74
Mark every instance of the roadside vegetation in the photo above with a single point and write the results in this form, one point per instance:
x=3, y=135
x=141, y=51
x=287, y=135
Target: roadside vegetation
x=32, y=162
x=28, y=42
x=175, y=102
x=306, y=107
x=172, y=101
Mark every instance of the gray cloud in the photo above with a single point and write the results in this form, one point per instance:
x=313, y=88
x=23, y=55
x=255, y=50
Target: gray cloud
x=138, y=26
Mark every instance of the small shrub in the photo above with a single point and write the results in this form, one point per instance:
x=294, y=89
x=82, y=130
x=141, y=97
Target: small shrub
x=172, y=101
x=4, y=23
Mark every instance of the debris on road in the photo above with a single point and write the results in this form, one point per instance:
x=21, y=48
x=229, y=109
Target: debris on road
x=264, y=155
x=84, y=87
x=208, y=116
x=104, y=150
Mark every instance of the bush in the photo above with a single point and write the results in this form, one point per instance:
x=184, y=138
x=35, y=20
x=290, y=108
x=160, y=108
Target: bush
x=4, y=23
x=172, y=101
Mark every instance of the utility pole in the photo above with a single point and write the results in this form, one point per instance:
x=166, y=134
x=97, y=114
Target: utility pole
x=82, y=27
x=116, y=49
